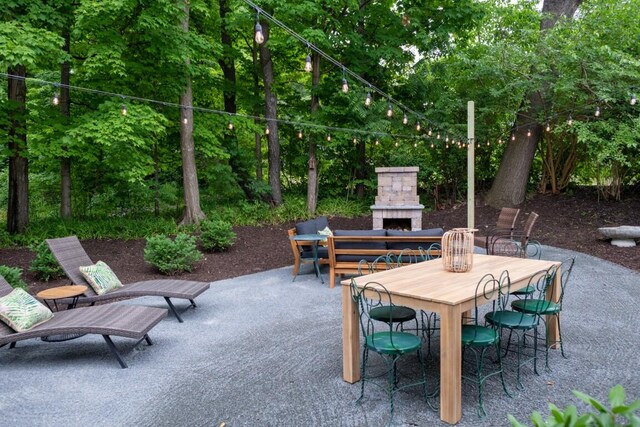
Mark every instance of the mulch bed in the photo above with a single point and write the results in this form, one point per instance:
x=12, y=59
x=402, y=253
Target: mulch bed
x=568, y=222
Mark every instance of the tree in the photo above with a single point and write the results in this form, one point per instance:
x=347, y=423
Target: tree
x=192, y=211
x=271, y=115
x=510, y=184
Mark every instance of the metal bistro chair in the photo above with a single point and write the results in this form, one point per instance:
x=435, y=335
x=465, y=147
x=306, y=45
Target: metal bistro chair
x=478, y=338
x=515, y=243
x=537, y=305
x=382, y=339
x=397, y=314
x=520, y=323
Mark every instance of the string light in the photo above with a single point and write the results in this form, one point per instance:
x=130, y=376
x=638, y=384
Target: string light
x=488, y=143
x=597, y=113
x=446, y=139
x=55, y=99
x=345, y=85
x=405, y=119
x=390, y=110
x=415, y=144
x=432, y=145
x=307, y=64
x=300, y=134
x=230, y=124
x=367, y=100
x=355, y=140
x=397, y=143
x=418, y=127
x=123, y=109
x=438, y=135
x=548, y=127
x=513, y=136
x=528, y=132
x=259, y=37
x=428, y=133
x=328, y=137
x=377, y=142
x=570, y=121
x=266, y=130
x=185, y=121
x=633, y=100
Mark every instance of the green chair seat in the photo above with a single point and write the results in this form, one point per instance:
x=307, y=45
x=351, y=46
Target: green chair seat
x=511, y=319
x=393, y=313
x=478, y=335
x=393, y=342
x=525, y=291
x=536, y=306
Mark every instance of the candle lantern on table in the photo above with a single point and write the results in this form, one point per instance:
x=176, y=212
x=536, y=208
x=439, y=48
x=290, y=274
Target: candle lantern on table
x=457, y=249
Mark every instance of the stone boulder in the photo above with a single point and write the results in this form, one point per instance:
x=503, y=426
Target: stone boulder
x=624, y=236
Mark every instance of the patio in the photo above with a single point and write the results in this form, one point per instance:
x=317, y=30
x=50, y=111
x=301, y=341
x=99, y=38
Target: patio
x=262, y=350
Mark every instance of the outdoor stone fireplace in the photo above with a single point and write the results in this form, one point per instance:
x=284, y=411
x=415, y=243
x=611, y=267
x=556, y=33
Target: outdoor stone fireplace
x=397, y=201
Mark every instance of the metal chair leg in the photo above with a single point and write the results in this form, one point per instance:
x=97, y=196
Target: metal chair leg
x=114, y=351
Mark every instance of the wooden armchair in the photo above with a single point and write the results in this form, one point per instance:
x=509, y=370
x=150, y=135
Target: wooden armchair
x=504, y=226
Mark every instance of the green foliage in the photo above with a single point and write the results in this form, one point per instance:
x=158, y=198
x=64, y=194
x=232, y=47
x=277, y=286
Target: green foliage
x=172, y=256
x=44, y=265
x=216, y=235
x=13, y=275
x=619, y=414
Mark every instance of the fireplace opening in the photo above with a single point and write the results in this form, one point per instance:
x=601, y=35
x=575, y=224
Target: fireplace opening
x=396, y=224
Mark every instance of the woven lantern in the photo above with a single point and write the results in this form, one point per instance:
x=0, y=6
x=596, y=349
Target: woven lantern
x=457, y=249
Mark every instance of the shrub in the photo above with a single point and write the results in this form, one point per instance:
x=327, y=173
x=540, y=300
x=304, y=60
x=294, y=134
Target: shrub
x=44, y=265
x=172, y=256
x=619, y=415
x=216, y=235
x=13, y=275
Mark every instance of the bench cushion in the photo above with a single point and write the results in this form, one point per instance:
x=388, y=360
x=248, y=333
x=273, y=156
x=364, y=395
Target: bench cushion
x=323, y=253
x=360, y=245
x=311, y=226
x=412, y=245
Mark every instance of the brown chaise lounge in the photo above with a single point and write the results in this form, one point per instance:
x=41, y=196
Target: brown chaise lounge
x=130, y=321
x=71, y=256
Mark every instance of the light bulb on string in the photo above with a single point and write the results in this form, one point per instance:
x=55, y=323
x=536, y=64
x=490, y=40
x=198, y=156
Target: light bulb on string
x=415, y=145
x=367, y=100
x=329, y=137
x=397, y=143
x=432, y=145
x=377, y=141
x=123, y=109
x=488, y=143
x=478, y=146
x=429, y=132
x=405, y=119
x=266, y=130
x=438, y=135
x=570, y=121
x=345, y=85
x=548, y=128
x=418, y=127
x=185, y=121
x=259, y=37
x=300, y=134
x=307, y=63
x=355, y=140
x=597, y=113
x=230, y=124
x=446, y=139
x=633, y=100
x=55, y=99
x=499, y=141
x=390, y=110
x=528, y=132
x=513, y=136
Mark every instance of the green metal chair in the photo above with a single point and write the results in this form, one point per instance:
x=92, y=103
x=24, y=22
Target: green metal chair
x=478, y=338
x=537, y=305
x=433, y=251
x=397, y=314
x=519, y=323
x=382, y=339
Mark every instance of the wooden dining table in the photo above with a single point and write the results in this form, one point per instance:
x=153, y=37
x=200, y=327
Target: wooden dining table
x=428, y=286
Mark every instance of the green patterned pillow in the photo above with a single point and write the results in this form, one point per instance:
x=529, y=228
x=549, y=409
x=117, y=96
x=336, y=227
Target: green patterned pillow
x=21, y=312
x=101, y=278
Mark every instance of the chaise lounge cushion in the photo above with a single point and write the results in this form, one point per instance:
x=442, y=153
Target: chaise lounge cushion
x=22, y=312
x=412, y=245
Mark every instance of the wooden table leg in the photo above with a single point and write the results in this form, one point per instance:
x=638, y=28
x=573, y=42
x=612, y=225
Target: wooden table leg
x=350, y=338
x=450, y=364
x=553, y=294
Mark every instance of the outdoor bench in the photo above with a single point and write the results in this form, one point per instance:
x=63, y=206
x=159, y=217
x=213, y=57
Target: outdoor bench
x=346, y=248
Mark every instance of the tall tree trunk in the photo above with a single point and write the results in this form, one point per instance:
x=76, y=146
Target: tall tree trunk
x=312, y=181
x=271, y=114
x=65, y=110
x=510, y=185
x=256, y=113
x=226, y=62
x=18, y=203
x=361, y=162
x=192, y=212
